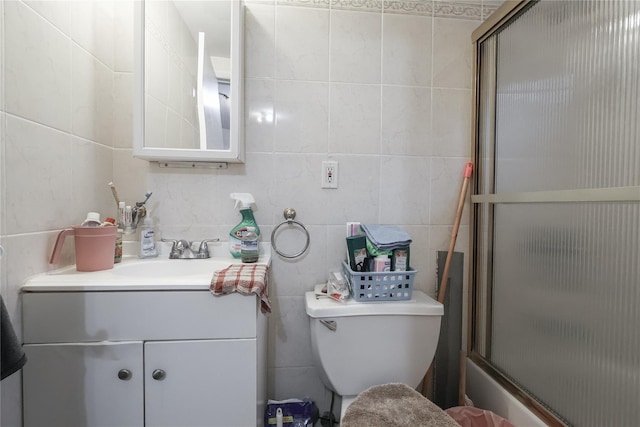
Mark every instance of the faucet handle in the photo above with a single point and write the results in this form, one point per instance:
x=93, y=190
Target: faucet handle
x=175, y=252
x=203, y=251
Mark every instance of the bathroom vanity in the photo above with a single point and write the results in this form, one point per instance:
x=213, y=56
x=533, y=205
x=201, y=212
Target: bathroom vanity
x=124, y=348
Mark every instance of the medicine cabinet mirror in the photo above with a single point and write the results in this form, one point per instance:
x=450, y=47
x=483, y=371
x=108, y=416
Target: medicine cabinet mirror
x=188, y=81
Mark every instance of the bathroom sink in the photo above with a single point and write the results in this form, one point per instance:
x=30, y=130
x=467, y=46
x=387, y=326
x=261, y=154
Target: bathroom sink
x=163, y=268
x=135, y=274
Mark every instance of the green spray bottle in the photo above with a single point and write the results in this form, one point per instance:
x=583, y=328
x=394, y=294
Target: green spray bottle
x=244, y=201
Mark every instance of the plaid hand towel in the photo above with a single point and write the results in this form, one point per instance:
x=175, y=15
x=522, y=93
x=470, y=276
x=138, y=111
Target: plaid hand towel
x=245, y=279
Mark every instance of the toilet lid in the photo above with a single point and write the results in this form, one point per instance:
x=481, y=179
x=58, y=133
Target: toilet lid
x=420, y=304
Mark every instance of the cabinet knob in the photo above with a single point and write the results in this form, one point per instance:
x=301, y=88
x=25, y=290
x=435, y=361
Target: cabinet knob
x=158, y=374
x=124, y=374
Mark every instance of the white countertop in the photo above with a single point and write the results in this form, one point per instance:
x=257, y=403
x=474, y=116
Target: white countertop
x=150, y=274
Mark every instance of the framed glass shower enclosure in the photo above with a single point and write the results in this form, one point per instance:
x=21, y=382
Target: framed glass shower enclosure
x=556, y=208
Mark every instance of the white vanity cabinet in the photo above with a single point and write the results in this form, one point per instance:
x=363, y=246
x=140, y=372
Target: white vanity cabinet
x=143, y=358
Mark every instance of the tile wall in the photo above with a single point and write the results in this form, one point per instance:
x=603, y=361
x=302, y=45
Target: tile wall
x=384, y=88
x=173, y=56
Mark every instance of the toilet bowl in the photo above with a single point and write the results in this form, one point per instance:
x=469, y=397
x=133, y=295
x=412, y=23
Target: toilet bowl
x=358, y=345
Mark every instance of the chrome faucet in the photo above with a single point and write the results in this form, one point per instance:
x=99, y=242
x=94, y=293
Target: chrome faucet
x=182, y=249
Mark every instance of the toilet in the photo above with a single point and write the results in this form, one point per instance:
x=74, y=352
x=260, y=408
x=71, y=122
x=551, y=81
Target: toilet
x=358, y=345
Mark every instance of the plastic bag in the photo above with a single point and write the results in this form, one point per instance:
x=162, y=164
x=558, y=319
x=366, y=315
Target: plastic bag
x=292, y=412
x=338, y=287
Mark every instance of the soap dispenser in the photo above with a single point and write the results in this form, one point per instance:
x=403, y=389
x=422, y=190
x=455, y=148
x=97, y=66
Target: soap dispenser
x=148, y=247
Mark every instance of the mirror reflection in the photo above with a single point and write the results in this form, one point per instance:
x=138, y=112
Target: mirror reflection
x=190, y=52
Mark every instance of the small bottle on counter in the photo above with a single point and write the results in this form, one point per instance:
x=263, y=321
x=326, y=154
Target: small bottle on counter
x=120, y=220
x=249, y=247
x=117, y=257
x=128, y=219
x=148, y=248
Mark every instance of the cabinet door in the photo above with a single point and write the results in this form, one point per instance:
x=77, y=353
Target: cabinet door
x=83, y=384
x=201, y=383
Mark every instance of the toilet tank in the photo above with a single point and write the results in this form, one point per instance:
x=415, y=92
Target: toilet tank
x=373, y=343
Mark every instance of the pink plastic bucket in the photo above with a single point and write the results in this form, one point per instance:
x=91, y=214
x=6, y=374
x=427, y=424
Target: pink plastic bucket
x=95, y=247
x=468, y=416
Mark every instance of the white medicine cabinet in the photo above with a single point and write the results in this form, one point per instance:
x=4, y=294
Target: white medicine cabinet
x=188, y=100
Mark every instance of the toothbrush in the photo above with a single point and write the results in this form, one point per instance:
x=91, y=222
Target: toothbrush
x=115, y=193
x=147, y=195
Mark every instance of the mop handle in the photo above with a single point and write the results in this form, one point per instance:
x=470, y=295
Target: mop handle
x=468, y=171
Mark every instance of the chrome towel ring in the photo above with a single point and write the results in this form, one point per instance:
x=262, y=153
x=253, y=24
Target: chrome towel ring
x=289, y=216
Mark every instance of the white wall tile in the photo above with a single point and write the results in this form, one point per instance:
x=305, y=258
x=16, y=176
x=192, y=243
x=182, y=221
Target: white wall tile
x=133, y=177
x=404, y=190
x=177, y=36
x=421, y=258
x=174, y=85
x=123, y=36
x=302, y=43
x=358, y=192
x=446, y=182
x=175, y=194
x=452, y=53
x=406, y=120
x=39, y=178
x=259, y=115
x=157, y=13
x=289, y=332
x=92, y=170
x=188, y=107
x=297, y=185
x=92, y=98
x=155, y=113
x=293, y=277
x=259, y=40
x=92, y=28
x=172, y=131
x=356, y=47
x=56, y=12
x=302, y=117
x=257, y=177
x=156, y=58
x=451, y=123
x=123, y=110
x=406, y=50
x=354, y=119
x=37, y=68
x=336, y=246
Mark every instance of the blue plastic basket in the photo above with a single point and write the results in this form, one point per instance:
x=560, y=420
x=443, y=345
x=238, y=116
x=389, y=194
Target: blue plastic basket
x=373, y=286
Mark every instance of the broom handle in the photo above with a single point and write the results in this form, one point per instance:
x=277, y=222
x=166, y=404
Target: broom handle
x=462, y=385
x=468, y=170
